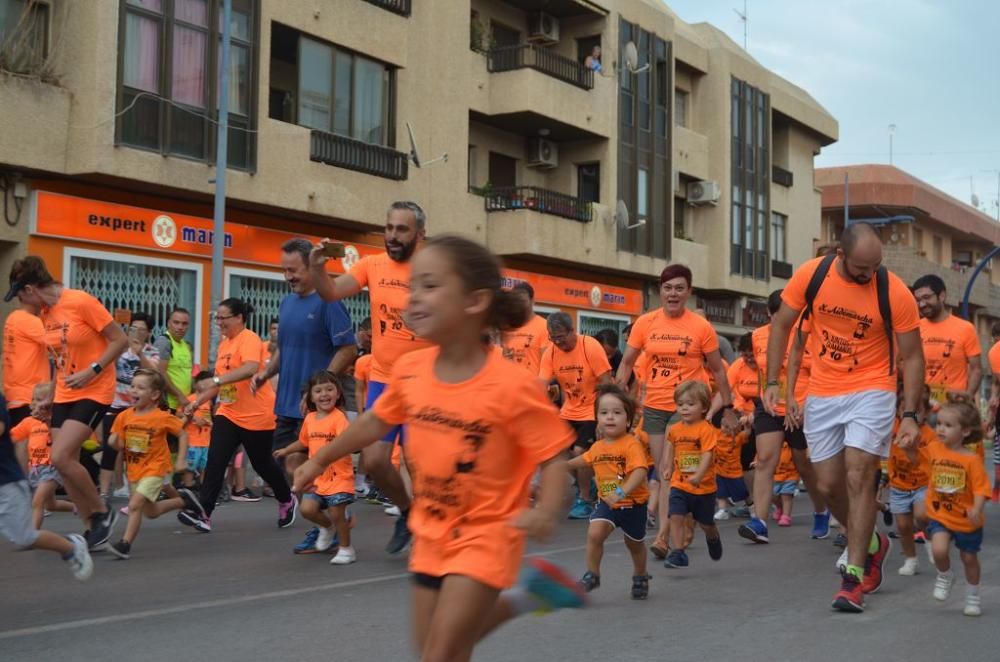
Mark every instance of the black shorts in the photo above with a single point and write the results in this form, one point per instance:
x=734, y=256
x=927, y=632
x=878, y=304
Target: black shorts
x=87, y=412
x=699, y=506
x=286, y=432
x=630, y=519
x=18, y=414
x=586, y=433
x=763, y=423
x=432, y=582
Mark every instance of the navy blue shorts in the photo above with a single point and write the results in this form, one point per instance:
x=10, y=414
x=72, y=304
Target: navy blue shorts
x=733, y=489
x=376, y=389
x=699, y=506
x=970, y=543
x=631, y=520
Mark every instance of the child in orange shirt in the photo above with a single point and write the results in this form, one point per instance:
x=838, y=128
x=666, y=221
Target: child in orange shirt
x=690, y=468
x=478, y=426
x=908, y=481
x=620, y=463
x=730, y=486
x=786, y=482
x=141, y=431
x=334, y=490
x=42, y=476
x=199, y=432
x=956, y=496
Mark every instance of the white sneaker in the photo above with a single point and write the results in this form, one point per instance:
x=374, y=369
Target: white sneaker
x=325, y=539
x=121, y=492
x=721, y=515
x=392, y=510
x=942, y=585
x=973, y=606
x=80, y=563
x=909, y=567
x=344, y=556
x=841, y=564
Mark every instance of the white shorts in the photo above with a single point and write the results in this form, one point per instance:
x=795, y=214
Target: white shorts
x=861, y=420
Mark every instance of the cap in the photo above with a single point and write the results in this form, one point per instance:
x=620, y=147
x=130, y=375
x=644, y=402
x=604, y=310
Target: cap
x=15, y=287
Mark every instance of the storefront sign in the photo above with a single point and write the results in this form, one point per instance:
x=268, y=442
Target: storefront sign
x=755, y=313
x=577, y=293
x=720, y=311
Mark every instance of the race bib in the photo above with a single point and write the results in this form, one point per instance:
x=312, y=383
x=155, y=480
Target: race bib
x=939, y=392
x=137, y=441
x=607, y=487
x=948, y=480
x=227, y=394
x=689, y=462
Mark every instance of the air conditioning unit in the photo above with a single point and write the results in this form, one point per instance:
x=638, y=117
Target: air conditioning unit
x=703, y=193
x=542, y=153
x=543, y=29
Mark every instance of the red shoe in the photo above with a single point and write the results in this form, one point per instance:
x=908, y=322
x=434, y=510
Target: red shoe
x=850, y=598
x=872, y=580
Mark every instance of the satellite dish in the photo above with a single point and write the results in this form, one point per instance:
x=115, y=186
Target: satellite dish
x=415, y=156
x=622, y=218
x=632, y=59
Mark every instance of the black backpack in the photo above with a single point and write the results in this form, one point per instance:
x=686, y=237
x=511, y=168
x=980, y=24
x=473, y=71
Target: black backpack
x=881, y=289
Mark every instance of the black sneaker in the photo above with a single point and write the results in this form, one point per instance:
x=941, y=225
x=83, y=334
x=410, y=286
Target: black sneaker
x=714, y=548
x=640, y=587
x=400, y=535
x=886, y=516
x=121, y=549
x=245, y=495
x=590, y=581
x=101, y=525
x=374, y=497
x=191, y=501
x=840, y=541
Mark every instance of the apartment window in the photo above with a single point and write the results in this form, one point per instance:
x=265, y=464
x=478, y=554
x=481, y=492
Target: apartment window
x=503, y=35
x=918, y=240
x=751, y=167
x=24, y=35
x=325, y=87
x=503, y=171
x=680, y=107
x=680, y=220
x=472, y=167
x=589, y=182
x=642, y=195
x=170, y=62
x=938, y=250
x=779, y=227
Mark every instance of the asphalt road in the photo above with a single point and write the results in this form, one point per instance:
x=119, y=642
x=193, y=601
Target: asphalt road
x=240, y=594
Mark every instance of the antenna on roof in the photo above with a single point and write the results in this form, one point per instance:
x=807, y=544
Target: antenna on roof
x=415, y=156
x=745, y=17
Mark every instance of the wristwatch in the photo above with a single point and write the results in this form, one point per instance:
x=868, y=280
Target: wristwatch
x=909, y=414
x=216, y=381
x=96, y=367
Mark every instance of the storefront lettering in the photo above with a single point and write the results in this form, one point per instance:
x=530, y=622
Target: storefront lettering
x=204, y=237
x=116, y=224
x=720, y=311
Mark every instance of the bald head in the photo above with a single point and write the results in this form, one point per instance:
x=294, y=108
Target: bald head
x=861, y=250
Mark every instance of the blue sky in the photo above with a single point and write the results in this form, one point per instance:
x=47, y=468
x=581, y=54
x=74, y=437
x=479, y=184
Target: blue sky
x=931, y=67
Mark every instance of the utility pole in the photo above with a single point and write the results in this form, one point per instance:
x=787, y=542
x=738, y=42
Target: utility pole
x=892, y=130
x=221, y=165
x=998, y=191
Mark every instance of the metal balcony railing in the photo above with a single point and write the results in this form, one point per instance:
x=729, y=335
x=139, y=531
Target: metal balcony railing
x=401, y=7
x=538, y=199
x=353, y=154
x=531, y=56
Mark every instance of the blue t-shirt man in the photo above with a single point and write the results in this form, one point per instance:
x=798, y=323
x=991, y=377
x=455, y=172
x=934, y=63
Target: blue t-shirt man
x=310, y=331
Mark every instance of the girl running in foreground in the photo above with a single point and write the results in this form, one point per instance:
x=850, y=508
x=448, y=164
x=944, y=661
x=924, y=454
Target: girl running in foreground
x=478, y=426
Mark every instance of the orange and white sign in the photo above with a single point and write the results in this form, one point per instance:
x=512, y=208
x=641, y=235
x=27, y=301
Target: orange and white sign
x=578, y=293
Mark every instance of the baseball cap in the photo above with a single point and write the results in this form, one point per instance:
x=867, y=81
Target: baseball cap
x=15, y=287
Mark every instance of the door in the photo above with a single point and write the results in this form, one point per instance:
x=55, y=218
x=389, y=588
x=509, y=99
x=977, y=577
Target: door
x=503, y=171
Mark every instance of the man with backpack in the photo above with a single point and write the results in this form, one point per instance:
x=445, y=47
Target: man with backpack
x=860, y=317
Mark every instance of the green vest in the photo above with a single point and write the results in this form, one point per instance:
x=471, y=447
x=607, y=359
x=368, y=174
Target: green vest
x=179, y=368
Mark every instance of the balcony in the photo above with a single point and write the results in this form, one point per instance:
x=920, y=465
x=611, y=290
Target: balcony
x=352, y=154
x=780, y=176
x=401, y=7
x=539, y=200
x=530, y=56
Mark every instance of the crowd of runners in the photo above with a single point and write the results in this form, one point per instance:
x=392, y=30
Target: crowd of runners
x=466, y=415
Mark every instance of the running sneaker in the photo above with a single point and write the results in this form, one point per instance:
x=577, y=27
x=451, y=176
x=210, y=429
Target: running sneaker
x=909, y=567
x=80, y=563
x=755, y=530
x=550, y=584
x=580, y=510
x=721, y=515
x=121, y=492
x=375, y=497
x=678, y=558
x=392, y=510
x=308, y=544
x=245, y=496
x=344, y=556
x=590, y=581
x=400, y=535
x=650, y=521
x=325, y=538
x=121, y=549
x=742, y=512
x=841, y=563
x=873, y=577
x=192, y=502
x=101, y=525
x=942, y=585
x=840, y=540
x=973, y=606
x=821, y=526
x=919, y=538
x=776, y=514
x=850, y=598
x=201, y=524
x=286, y=512
x=640, y=587
x=714, y=548
x=785, y=520
x=887, y=516
x=225, y=495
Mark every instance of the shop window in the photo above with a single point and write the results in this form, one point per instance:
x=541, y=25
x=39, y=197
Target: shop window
x=588, y=324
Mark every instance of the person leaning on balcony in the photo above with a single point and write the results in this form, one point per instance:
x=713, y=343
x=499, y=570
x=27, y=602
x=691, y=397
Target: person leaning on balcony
x=593, y=60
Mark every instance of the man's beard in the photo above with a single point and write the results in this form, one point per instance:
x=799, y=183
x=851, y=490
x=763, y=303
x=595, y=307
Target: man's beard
x=401, y=252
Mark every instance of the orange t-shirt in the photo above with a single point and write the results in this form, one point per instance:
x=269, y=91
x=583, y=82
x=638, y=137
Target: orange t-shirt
x=956, y=478
x=905, y=474
x=471, y=447
x=761, y=336
x=388, y=284
x=690, y=442
x=727, y=454
x=524, y=345
x=363, y=368
x=854, y=352
x=24, y=338
x=613, y=461
x=994, y=358
x=948, y=346
x=73, y=333
x=676, y=348
x=236, y=401
x=39, y=439
x=577, y=372
x=786, y=466
x=199, y=436
x=317, y=433
x=144, y=438
x=743, y=382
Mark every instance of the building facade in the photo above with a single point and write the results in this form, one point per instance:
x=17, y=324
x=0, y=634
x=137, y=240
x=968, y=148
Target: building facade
x=680, y=148
x=924, y=231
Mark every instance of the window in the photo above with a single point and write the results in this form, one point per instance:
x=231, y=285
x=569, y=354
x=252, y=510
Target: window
x=779, y=225
x=680, y=107
x=918, y=240
x=938, y=250
x=169, y=97
x=750, y=181
x=503, y=35
x=589, y=182
x=503, y=171
x=24, y=35
x=324, y=87
x=680, y=222
x=472, y=167
x=642, y=195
